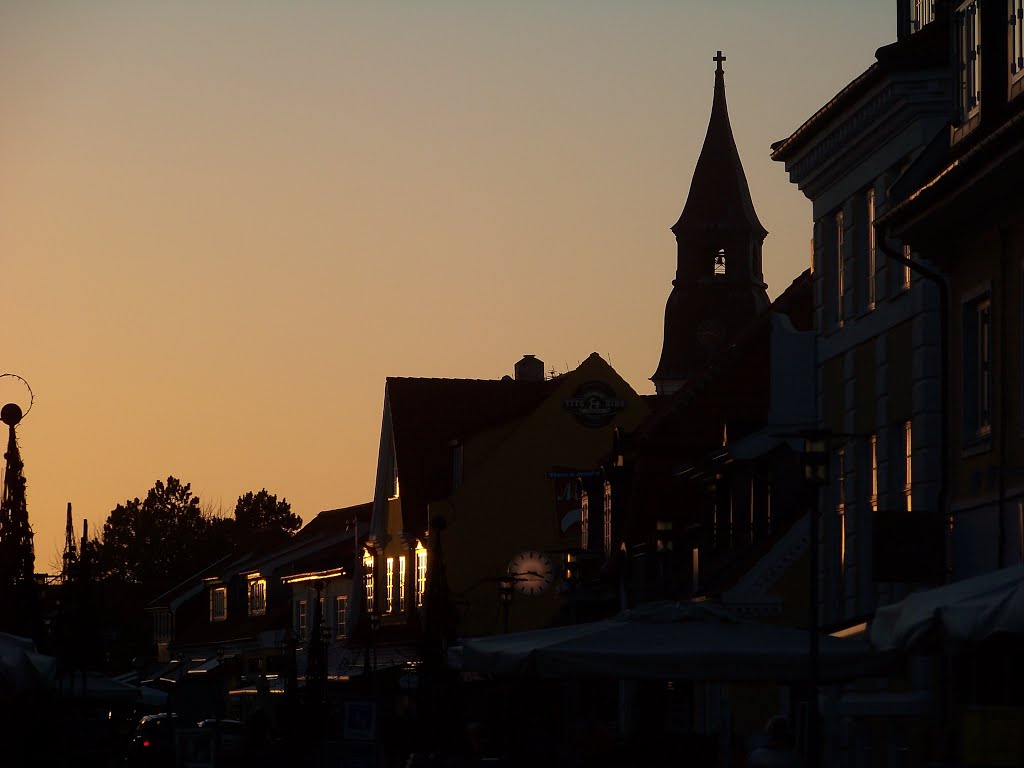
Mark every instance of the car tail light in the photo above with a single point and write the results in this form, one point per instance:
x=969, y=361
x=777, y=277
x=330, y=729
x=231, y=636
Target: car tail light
x=145, y=742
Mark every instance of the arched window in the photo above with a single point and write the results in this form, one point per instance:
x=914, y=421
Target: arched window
x=720, y=262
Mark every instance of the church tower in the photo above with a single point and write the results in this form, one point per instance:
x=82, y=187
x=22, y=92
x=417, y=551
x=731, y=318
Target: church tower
x=719, y=285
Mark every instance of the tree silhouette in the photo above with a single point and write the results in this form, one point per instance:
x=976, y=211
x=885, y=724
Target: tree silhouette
x=263, y=512
x=156, y=542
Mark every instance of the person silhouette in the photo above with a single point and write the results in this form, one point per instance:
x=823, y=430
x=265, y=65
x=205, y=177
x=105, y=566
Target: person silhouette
x=777, y=751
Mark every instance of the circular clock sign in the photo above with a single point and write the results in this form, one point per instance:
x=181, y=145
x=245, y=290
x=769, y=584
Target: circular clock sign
x=532, y=572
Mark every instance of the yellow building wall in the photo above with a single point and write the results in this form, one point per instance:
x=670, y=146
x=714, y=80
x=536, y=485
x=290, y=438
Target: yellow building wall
x=506, y=504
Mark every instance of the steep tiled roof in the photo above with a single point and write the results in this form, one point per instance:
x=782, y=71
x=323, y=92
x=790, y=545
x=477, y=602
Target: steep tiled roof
x=719, y=196
x=332, y=521
x=427, y=415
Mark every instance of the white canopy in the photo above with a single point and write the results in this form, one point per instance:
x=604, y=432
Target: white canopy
x=964, y=611
x=21, y=668
x=668, y=641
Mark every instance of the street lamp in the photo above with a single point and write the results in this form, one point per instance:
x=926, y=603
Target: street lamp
x=374, y=626
x=815, y=460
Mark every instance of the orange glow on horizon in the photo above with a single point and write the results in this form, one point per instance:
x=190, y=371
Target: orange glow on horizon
x=225, y=223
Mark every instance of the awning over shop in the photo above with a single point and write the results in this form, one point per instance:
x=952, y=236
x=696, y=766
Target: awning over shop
x=967, y=611
x=669, y=641
x=21, y=668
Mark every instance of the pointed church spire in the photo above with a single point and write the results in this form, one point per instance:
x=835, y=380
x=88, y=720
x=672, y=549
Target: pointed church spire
x=719, y=285
x=719, y=196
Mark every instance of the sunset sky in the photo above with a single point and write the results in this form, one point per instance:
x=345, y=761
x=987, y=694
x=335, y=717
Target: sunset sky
x=223, y=223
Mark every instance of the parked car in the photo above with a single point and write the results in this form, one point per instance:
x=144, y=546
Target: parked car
x=159, y=738
x=153, y=741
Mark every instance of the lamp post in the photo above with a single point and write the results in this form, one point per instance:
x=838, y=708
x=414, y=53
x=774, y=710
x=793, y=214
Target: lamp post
x=815, y=460
x=505, y=592
x=374, y=626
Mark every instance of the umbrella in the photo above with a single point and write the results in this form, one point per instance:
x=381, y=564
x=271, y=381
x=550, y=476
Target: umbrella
x=670, y=641
x=970, y=610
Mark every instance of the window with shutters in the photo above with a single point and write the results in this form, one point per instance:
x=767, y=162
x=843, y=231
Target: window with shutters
x=968, y=45
x=921, y=12
x=977, y=369
x=1016, y=34
x=872, y=269
x=341, y=616
x=218, y=604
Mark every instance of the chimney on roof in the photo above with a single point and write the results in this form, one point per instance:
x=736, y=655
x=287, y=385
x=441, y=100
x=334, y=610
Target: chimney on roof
x=530, y=369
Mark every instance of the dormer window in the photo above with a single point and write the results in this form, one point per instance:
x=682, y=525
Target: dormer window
x=720, y=262
x=218, y=604
x=162, y=626
x=257, y=596
x=968, y=39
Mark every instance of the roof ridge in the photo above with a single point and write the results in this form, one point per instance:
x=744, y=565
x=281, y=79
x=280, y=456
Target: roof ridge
x=504, y=380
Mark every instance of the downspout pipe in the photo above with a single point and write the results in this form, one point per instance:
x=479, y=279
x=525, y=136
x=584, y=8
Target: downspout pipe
x=941, y=282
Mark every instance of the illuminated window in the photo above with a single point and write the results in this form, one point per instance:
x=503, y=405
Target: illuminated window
x=218, y=603
x=401, y=584
x=584, y=520
x=421, y=573
x=389, y=598
x=908, y=477
x=300, y=620
x=871, y=249
x=368, y=580
x=968, y=37
x=608, y=519
x=257, y=597
x=840, y=278
x=720, y=262
x=341, y=616
x=1016, y=38
x=873, y=447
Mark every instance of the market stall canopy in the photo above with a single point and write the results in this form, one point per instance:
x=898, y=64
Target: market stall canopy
x=669, y=641
x=94, y=686
x=967, y=611
x=21, y=668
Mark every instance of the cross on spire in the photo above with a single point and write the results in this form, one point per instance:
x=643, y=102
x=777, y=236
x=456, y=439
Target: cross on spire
x=719, y=58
